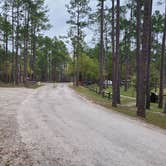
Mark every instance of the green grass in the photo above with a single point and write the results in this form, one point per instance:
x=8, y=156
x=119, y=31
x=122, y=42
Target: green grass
x=131, y=91
x=153, y=116
x=124, y=99
x=154, y=107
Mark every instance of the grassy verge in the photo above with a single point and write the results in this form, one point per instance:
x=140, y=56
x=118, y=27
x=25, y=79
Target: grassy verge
x=154, y=116
x=131, y=92
x=124, y=98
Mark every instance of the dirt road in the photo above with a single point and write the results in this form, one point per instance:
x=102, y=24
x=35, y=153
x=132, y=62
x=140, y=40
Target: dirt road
x=56, y=127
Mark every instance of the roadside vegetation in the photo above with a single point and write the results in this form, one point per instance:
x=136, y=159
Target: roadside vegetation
x=129, y=49
x=154, y=116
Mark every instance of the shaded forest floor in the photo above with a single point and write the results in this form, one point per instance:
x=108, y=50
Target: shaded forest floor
x=127, y=107
x=33, y=85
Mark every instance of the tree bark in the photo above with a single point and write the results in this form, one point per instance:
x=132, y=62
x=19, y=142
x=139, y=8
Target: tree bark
x=143, y=61
x=165, y=107
x=13, y=53
x=118, y=50
x=114, y=88
x=33, y=52
x=126, y=63
x=26, y=37
x=128, y=46
x=162, y=66
x=78, y=47
x=148, y=60
x=17, y=47
x=101, y=56
x=74, y=61
x=138, y=32
x=6, y=51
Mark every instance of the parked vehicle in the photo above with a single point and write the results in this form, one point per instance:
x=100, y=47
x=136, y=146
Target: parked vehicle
x=107, y=82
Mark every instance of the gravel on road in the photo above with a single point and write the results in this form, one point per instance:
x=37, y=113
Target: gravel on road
x=54, y=126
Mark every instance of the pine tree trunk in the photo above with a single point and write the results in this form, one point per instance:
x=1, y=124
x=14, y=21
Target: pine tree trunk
x=77, y=48
x=26, y=37
x=117, y=51
x=13, y=53
x=162, y=66
x=165, y=107
x=148, y=60
x=128, y=40
x=101, y=56
x=6, y=54
x=75, y=69
x=17, y=47
x=138, y=27
x=33, y=53
x=143, y=61
x=126, y=64
x=114, y=92
x=53, y=71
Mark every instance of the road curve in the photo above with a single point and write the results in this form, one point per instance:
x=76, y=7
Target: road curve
x=60, y=128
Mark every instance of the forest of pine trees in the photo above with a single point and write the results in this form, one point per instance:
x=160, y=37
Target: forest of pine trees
x=24, y=53
x=128, y=46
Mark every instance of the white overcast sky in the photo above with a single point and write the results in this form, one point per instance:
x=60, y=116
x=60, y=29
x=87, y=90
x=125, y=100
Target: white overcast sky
x=58, y=16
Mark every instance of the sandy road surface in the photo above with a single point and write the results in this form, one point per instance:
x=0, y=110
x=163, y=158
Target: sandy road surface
x=13, y=151
x=57, y=127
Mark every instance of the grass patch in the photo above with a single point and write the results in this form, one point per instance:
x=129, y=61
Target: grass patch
x=131, y=92
x=124, y=100
x=154, y=108
x=154, y=116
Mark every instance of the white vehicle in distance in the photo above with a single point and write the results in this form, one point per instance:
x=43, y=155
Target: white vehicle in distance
x=107, y=82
